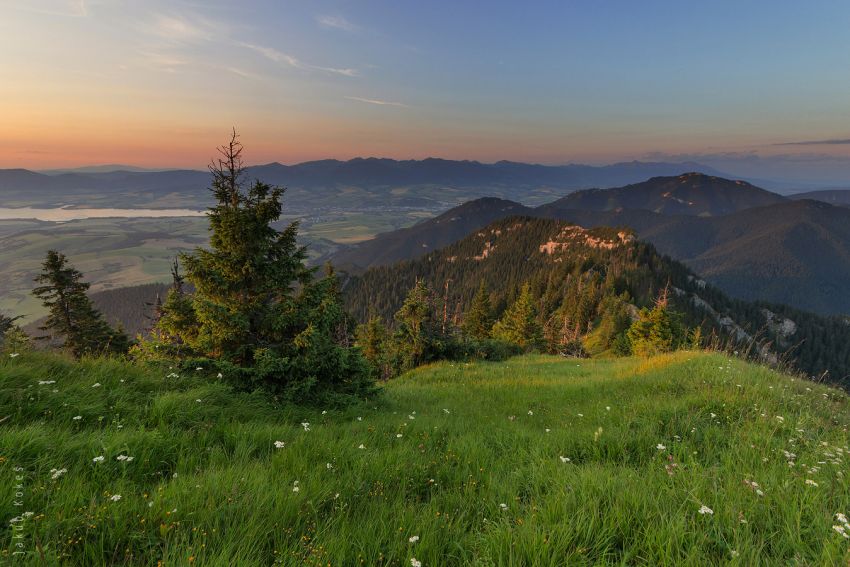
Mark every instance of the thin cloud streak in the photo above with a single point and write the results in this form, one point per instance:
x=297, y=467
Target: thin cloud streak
x=336, y=22
x=280, y=57
x=377, y=101
x=838, y=142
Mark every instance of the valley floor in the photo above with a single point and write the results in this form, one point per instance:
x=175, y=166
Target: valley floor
x=687, y=459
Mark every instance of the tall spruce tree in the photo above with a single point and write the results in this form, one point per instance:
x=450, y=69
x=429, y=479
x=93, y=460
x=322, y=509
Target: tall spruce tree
x=519, y=324
x=256, y=309
x=478, y=321
x=72, y=317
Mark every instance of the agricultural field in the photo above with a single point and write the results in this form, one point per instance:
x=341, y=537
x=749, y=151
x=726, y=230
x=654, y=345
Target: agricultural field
x=120, y=252
x=687, y=459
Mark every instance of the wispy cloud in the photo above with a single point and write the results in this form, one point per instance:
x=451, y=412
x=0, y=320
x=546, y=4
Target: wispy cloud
x=280, y=57
x=178, y=29
x=836, y=142
x=377, y=101
x=336, y=22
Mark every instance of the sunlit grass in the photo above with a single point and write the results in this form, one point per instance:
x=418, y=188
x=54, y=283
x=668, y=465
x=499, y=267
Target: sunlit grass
x=534, y=461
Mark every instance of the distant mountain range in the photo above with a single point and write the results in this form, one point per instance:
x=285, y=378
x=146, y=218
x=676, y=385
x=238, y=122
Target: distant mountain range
x=360, y=183
x=753, y=244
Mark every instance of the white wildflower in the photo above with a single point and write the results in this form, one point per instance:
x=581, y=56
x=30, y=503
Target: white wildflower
x=413, y=539
x=362, y=446
x=660, y=447
x=115, y=497
x=77, y=417
x=810, y=482
x=96, y=385
x=329, y=466
x=56, y=473
x=530, y=412
x=446, y=411
x=705, y=510
x=306, y=426
x=14, y=354
x=564, y=459
x=98, y=459
x=415, y=562
x=841, y=518
x=46, y=382
x=503, y=506
x=279, y=444
x=398, y=435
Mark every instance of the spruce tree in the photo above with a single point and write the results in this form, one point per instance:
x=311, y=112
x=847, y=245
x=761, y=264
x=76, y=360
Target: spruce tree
x=373, y=341
x=519, y=324
x=416, y=337
x=256, y=310
x=478, y=321
x=72, y=317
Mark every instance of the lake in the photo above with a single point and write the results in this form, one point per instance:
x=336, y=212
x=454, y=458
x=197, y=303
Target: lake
x=66, y=214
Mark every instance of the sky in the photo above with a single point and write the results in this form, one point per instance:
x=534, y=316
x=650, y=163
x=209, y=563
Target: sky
x=160, y=83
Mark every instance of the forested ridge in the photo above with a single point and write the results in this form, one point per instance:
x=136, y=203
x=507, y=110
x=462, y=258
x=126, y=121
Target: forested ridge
x=588, y=283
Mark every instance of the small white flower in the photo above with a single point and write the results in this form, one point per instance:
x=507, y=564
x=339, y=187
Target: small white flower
x=198, y=400
x=411, y=417
x=46, y=382
x=329, y=466
x=810, y=482
x=56, y=473
x=362, y=446
x=359, y=419
x=14, y=354
x=295, y=487
x=96, y=385
x=198, y=368
x=115, y=497
x=530, y=412
x=98, y=459
x=607, y=408
x=660, y=447
x=415, y=562
x=123, y=458
x=446, y=411
x=841, y=518
x=413, y=539
x=564, y=459
x=398, y=435
x=220, y=375
x=77, y=417
x=705, y=510
x=580, y=414
x=503, y=506
x=324, y=412
x=548, y=430
x=306, y=426
x=279, y=444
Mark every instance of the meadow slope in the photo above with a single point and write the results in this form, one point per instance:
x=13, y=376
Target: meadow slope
x=687, y=459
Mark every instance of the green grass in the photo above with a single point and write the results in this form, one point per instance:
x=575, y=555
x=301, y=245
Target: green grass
x=444, y=448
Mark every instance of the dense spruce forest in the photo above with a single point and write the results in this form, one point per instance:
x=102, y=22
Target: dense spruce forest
x=588, y=285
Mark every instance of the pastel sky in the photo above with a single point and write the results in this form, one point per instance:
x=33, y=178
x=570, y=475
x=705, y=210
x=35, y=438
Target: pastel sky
x=160, y=83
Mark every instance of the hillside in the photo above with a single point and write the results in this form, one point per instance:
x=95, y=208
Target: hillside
x=577, y=272
x=422, y=237
x=831, y=196
x=694, y=459
x=694, y=194
x=795, y=252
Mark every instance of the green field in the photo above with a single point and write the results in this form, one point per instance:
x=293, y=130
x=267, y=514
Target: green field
x=119, y=252
x=687, y=459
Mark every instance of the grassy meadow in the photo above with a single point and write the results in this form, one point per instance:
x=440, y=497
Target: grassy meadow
x=686, y=459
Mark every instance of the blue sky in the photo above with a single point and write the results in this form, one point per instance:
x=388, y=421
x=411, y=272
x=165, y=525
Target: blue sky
x=160, y=83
